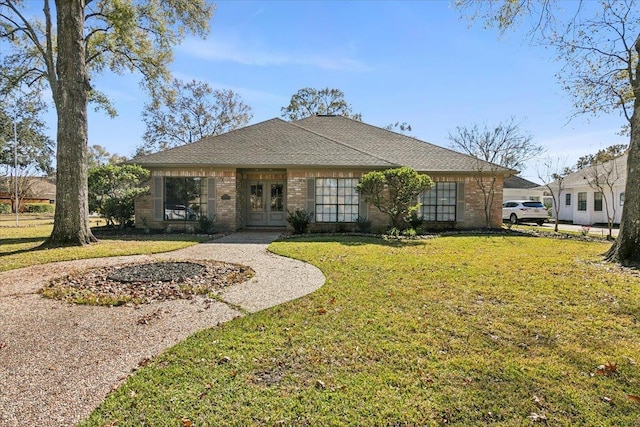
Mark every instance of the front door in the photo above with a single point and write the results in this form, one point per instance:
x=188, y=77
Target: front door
x=266, y=204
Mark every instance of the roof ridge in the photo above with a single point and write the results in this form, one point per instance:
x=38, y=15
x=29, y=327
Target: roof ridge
x=344, y=143
x=408, y=138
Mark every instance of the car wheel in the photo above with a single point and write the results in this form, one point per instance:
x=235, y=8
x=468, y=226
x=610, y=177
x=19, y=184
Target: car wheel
x=513, y=218
x=541, y=222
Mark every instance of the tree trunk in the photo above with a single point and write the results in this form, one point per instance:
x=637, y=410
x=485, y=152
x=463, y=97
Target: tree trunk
x=626, y=249
x=70, y=89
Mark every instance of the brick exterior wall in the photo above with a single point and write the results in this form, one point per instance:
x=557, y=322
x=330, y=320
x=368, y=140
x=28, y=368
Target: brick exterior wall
x=231, y=189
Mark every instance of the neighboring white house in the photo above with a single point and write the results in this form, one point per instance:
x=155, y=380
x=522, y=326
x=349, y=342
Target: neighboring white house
x=593, y=194
x=517, y=188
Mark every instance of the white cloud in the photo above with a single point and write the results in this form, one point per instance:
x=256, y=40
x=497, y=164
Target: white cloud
x=230, y=51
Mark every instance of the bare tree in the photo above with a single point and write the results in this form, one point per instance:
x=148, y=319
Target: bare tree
x=189, y=111
x=552, y=175
x=503, y=146
x=602, y=177
x=19, y=184
x=309, y=101
x=599, y=45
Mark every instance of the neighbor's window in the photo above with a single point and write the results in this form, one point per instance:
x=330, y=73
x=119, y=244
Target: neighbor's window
x=597, y=201
x=582, y=201
x=567, y=199
x=183, y=199
x=337, y=200
x=622, y=198
x=439, y=203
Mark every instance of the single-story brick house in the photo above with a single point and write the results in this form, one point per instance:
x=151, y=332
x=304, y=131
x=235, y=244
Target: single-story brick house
x=251, y=177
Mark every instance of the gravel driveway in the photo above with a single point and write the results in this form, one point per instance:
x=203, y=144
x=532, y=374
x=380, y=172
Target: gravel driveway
x=58, y=361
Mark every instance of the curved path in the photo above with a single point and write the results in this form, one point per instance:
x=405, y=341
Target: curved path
x=58, y=361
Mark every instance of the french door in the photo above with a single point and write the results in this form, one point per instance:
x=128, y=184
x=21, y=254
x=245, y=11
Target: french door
x=266, y=203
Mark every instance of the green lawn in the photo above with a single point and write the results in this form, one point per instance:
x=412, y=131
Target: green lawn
x=455, y=330
x=19, y=245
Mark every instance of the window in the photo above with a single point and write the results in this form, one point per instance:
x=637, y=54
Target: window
x=337, y=200
x=439, y=203
x=582, y=201
x=597, y=201
x=183, y=199
x=622, y=198
x=567, y=199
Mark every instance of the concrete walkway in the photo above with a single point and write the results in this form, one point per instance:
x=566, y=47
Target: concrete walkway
x=58, y=361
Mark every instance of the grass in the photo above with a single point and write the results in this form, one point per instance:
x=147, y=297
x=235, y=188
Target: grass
x=19, y=245
x=506, y=331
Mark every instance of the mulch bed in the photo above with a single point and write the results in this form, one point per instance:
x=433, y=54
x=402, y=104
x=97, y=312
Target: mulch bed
x=141, y=283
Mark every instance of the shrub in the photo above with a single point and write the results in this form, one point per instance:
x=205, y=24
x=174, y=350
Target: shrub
x=415, y=220
x=206, y=224
x=299, y=220
x=39, y=208
x=5, y=208
x=342, y=227
x=363, y=224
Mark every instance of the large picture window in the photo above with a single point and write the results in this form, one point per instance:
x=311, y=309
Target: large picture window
x=183, y=199
x=337, y=200
x=439, y=203
x=582, y=201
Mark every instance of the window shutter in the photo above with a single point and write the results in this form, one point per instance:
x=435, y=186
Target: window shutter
x=311, y=198
x=158, y=209
x=460, y=202
x=211, y=197
x=363, y=209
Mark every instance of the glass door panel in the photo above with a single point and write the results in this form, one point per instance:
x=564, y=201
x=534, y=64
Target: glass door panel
x=255, y=198
x=277, y=197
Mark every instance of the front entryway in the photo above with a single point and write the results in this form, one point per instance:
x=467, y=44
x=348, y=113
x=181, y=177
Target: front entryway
x=266, y=204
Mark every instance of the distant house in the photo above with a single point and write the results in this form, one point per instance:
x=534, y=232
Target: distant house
x=35, y=189
x=592, y=194
x=251, y=177
x=518, y=188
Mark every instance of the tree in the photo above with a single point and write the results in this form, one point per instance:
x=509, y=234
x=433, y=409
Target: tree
x=395, y=192
x=25, y=149
x=553, y=175
x=189, y=111
x=602, y=177
x=308, y=102
x=99, y=156
x=113, y=190
x=35, y=149
x=602, y=156
x=599, y=44
x=92, y=36
x=398, y=127
x=502, y=146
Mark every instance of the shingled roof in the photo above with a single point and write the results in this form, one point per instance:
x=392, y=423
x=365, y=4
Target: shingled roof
x=325, y=141
x=518, y=182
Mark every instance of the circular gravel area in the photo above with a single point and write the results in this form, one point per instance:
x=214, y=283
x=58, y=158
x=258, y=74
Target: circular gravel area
x=141, y=283
x=156, y=272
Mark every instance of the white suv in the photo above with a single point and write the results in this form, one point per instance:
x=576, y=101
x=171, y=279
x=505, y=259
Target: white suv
x=524, y=211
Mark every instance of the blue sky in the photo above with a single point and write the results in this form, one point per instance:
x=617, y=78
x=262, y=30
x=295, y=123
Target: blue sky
x=415, y=62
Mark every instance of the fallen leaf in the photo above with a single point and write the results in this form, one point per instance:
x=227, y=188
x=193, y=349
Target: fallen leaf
x=186, y=422
x=322, y=311
x=634, y=397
